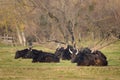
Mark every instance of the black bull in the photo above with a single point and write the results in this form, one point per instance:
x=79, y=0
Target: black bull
x=36, y=55
x=85, y=57
x=64, y=53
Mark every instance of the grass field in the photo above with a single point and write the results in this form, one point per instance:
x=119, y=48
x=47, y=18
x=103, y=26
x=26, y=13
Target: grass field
x=21, y=69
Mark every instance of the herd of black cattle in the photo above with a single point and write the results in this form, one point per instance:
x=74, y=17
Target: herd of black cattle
x=83, y=57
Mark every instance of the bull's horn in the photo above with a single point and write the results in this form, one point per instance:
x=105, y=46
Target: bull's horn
x=70, y=51
x=77, y=52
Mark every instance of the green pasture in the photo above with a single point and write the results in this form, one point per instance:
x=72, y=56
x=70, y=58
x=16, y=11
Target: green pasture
x=23, y=69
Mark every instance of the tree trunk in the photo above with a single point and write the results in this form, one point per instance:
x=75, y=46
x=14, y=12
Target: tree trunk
x=23, y=39
x=19, y=36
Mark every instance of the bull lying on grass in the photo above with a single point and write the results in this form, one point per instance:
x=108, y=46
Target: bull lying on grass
x=36, y=55
x=85, y=57
x=64, y=53
x=40, y=56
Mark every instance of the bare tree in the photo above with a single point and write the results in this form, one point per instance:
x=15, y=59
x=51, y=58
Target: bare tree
x=87, y=23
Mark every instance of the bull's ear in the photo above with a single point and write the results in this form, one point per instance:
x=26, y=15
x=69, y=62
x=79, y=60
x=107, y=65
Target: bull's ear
x=70, y=51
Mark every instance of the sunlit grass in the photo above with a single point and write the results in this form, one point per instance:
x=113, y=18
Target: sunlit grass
x=24, y=69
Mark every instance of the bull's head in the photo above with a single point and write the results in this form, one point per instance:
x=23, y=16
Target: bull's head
x=74, y=54
x=21, y=53
x=74, y=51
x=18, y=54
